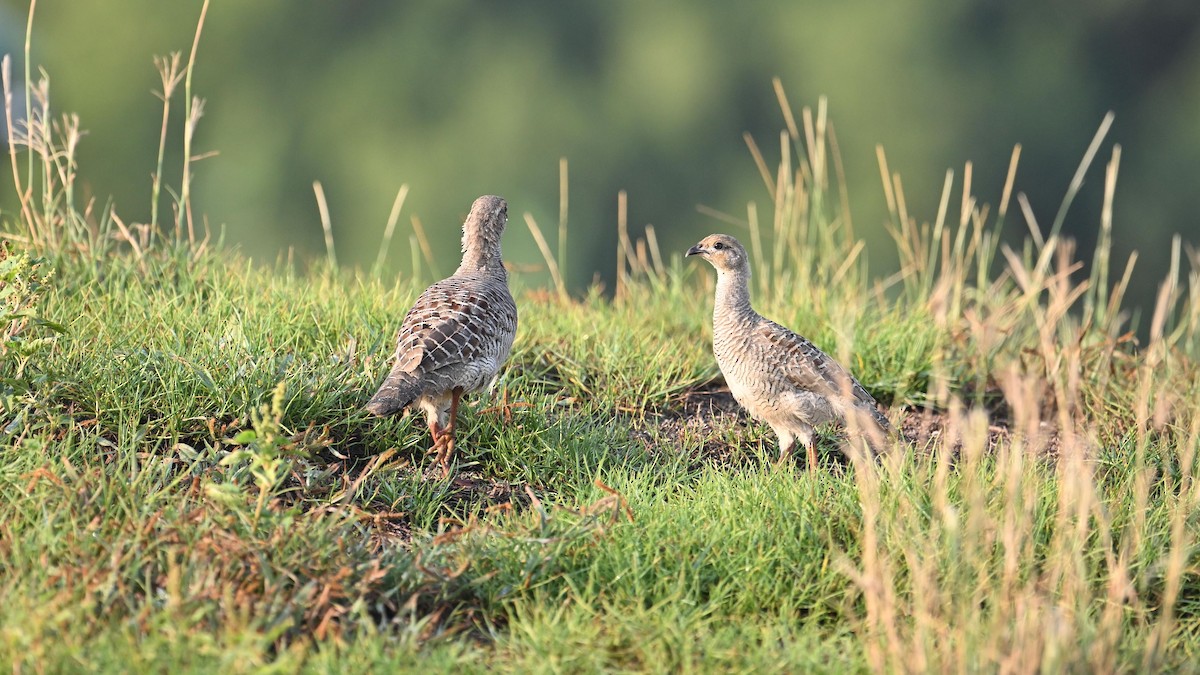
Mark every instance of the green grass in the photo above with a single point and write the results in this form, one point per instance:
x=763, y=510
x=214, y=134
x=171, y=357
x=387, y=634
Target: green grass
x=134, y=533
x=189, y=482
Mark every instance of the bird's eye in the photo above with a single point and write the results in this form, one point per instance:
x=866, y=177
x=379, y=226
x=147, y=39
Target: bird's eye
x=719, y=246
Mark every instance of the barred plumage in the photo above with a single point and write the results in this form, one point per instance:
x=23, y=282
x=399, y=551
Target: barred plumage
x=458, y=333
x=778, y=376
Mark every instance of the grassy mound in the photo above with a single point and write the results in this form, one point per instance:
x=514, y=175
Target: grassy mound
x=189, y=482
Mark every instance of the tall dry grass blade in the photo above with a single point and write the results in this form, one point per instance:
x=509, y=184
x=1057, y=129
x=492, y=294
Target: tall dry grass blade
x=849, y=262
x=1175, y=327
x=901, y=203
x=886, y=177
x=1166, y=298
x=817, y=152
x=426, y=250
x=968, y=200
x=41, y=142
x=191, y=123
x=1008, y=184
x=760, y=163
x=961, y=252
x=22, y=195
x=326, y=224
x=1118, y=295
x=810, y=132
x=129, y=238
x=622, y=241
x=785, y=213
x=1077, y=179
x=414, y=253
x=943, y=204
x=563, y=210
x=939, y=225
x=660, y=270
x=1031, y=222
x=63, y=159
x=551, y=264
x=843, y=189
x=29, y=83
x=805, y=239
x=1100, y=260
x=788, y=118
x=390, y=228
x=721, y=216
x=189, y=114
x=170, y=75
x=1192, y=308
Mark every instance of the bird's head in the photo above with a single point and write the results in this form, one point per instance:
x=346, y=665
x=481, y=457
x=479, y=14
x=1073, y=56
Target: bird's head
x=484, y=226
x=722, y=252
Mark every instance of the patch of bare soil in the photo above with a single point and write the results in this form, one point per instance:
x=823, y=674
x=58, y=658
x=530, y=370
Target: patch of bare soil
x=705, y=422
x=708, y=423
x=925, y=429
x=706, y=426
x=466, y=488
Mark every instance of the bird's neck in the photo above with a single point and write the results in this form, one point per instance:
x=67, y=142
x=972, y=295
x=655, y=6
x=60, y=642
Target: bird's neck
x=733, y=295
x=481, y=258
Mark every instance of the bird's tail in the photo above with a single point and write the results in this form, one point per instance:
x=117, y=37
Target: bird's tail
x=396, y=392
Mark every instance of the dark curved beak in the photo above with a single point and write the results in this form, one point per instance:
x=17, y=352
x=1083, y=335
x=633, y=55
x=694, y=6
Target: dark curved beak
x=695, y=250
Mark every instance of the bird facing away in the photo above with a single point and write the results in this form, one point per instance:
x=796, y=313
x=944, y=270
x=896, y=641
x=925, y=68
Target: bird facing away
x=457, y=335
x=778, y=376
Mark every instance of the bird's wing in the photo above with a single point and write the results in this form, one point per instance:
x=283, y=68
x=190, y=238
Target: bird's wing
x=453, y=321
x=807, y=367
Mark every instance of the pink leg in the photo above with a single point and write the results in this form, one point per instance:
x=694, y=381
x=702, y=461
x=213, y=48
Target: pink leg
x=438, y=435
x=785, y=452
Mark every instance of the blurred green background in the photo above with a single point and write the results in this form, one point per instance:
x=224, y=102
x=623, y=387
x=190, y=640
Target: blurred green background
x=458, y=99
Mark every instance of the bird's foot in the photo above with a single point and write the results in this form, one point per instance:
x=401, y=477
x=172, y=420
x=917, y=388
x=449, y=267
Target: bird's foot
x=439, y=442
x=443, y=449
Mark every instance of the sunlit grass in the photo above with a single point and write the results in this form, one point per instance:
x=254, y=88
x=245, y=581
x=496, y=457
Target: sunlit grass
x=189, y=482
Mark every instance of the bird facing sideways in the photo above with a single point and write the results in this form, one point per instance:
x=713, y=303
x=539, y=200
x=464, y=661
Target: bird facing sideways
x=778, y=376
x=457, y=335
